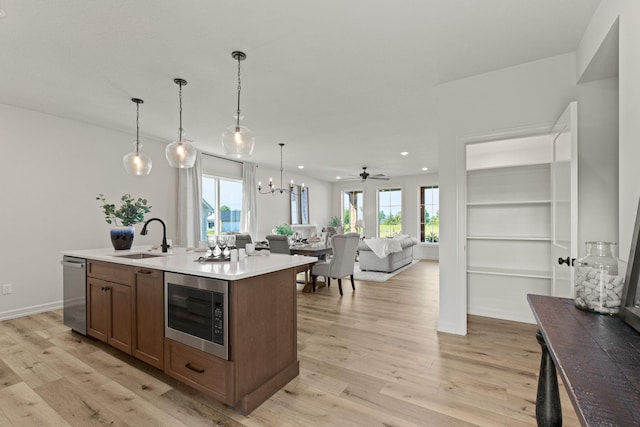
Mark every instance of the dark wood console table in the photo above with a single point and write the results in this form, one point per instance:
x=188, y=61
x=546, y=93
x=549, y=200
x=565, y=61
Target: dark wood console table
x=598, y=358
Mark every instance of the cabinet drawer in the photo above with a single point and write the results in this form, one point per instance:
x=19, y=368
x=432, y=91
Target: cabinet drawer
x=117, y=273
x=200, y=370
x=150, y=273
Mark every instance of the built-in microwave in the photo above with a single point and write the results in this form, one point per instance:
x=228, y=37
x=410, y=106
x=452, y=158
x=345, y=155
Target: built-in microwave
x=197, y=312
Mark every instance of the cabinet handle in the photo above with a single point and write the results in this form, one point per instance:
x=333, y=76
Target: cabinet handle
x=569, y=261
x=143, y=272
x=194, y=369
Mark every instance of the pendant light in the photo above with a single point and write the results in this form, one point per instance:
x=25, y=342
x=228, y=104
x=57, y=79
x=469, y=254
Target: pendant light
x=137, y=163
x=181, y=154
x=237, y=140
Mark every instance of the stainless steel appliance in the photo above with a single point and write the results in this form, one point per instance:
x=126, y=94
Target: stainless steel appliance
x=197, y=313
x=74, y=278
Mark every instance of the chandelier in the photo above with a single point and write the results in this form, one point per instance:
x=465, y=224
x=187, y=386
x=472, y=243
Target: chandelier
x=281, y=189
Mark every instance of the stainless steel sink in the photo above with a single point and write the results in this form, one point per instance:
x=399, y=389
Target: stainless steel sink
x=138, y=256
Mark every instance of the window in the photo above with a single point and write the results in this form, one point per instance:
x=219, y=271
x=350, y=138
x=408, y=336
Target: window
x=430, y=214
x=352, y=209
x=221, y=205
x=299, y=200
x=389, y=212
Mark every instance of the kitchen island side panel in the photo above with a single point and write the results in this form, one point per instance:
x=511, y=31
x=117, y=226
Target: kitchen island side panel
x=264, y=332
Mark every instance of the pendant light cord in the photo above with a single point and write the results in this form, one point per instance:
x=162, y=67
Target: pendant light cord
x=239, y=89
x=180, y=112
x=137, y=127
x=281, y=187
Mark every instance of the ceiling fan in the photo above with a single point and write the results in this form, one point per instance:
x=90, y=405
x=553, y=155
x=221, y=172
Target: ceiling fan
x=364, y=175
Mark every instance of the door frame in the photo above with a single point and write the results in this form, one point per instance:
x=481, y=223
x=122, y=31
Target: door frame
x=572, y=111
x=461, y=246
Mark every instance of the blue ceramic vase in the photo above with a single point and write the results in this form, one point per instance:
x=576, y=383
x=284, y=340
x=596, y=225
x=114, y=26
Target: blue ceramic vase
x=122, y=237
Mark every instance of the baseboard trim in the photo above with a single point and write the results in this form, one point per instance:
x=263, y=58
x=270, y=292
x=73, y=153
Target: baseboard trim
x=27, y=311
x=451, y=328
x=526, y=317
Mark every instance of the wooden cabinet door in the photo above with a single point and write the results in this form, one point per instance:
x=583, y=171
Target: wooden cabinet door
x=97, y=309
x=120, y=330
x=149, y=316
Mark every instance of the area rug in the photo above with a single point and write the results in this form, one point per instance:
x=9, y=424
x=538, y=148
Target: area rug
x=377, y=276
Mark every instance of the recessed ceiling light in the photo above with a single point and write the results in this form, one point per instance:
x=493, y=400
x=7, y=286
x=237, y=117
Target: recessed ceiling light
x=301, y=167
x=404, y=153
x=3, y=13
x=337, y=177
x=425, y=169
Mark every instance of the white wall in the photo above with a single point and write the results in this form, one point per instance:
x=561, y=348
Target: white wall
x=535, y=93
x=628, y=13
x=274, y=209
x=410, y=186
x=598, y=163
x=49, y=200
x=52, y=170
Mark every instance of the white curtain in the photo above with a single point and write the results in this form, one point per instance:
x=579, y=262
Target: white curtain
x=189, y=204
x=249, y=214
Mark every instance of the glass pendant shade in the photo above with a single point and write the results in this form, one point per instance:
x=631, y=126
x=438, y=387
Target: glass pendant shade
x=181, y=154
x=238, y=141
x=136, y=162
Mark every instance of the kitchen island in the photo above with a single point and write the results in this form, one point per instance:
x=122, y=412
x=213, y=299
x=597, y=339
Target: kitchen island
x=127, y=307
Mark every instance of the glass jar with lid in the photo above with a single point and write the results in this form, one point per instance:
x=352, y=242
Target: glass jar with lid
x=599, y=279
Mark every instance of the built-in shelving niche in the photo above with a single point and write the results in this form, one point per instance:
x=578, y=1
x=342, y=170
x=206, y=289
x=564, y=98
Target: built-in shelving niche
x=508, y=231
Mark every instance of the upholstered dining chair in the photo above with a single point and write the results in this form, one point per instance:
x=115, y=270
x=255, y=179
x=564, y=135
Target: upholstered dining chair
x=278, y=244
x=341, y=264
x=242, y=239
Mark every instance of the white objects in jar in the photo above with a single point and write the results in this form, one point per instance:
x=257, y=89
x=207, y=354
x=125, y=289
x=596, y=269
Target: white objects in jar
x=598, y=290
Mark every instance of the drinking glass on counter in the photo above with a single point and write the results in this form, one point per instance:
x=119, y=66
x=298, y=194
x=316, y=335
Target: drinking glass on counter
x=222, y=243
x=212, y=241
x=231, y=241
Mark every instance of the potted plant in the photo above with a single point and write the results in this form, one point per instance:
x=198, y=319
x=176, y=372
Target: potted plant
x=131, y=211
x=336, y=223
x=284, y=230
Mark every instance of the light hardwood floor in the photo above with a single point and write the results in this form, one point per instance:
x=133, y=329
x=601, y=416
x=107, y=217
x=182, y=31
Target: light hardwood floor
x=370, y=358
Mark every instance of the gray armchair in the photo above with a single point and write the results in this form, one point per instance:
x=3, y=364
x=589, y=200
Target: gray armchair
x=341, y=264
x=242, y=239
x=278, y=244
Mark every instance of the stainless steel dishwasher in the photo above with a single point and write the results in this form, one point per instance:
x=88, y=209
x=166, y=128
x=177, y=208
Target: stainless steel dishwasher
x=74, y=288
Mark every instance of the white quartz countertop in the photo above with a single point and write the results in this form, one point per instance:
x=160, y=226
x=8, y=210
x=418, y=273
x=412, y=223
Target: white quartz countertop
x=179, y=260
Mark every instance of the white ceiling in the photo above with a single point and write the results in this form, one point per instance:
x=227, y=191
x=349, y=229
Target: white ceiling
x=344, y=84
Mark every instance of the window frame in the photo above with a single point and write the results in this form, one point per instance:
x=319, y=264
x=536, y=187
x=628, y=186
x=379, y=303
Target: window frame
x=216, y=207
x=421, y=211
x=351, y=227
x=384, y=189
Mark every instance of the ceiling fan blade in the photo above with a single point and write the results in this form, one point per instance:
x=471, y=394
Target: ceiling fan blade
x=383, y=178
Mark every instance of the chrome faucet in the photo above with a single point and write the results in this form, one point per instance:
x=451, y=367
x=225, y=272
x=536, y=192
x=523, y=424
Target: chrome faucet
x=164, y=232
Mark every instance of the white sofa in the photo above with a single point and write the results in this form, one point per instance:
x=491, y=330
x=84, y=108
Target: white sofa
x=390, y=262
